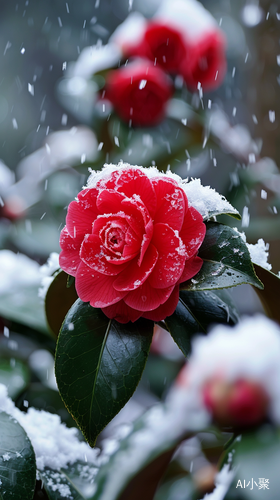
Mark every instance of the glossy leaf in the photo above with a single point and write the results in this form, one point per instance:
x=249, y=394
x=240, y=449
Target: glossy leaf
x=99, y=363
x=15, y=378
x=269, y=296
x=256, y=455
x=136, y=467
x=75, y=482
x=226, y=259
x=195, y=312
x=17, y=461
x=61, y=295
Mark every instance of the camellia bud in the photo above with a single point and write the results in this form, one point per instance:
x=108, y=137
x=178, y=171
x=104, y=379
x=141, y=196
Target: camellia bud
x=240, y=403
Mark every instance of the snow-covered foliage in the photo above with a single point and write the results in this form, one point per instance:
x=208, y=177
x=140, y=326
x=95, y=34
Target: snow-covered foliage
x=55, y=449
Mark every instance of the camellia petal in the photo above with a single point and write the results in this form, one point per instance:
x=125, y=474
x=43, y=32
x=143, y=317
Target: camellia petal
x=165, y=309
x=121, y=312
x=192, y=267
x=96, y=288
x=92, y=254
x=193, y=231
x=82, y=213
x=146, y=298
x=136, y=275
x=172, y=257
x=171, y=203
x=69, y=259
x=132, y=182
x=109, y=201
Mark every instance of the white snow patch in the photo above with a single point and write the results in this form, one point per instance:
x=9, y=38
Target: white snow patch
x=130, y=31
x=259, y=252
x=94, y=59
x=222, y=481
x=188, y=16
x=46, y=271
x=55, y=445
x=250, y=350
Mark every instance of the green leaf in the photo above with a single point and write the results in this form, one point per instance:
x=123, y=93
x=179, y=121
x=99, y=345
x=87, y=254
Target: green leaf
x=257, y=455
x=195, y=312
x=61, y=295
x=99, y=363
x=17, y=461
x=15, y=378
x=134, y=470
x=75, y=482
x=269, y=296
x=226, y=259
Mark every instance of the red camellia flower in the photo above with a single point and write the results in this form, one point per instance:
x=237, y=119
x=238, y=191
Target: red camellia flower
x=162, y=44
x=130, y=240
x=241, y=403
x=139, y=92
x=205, y=63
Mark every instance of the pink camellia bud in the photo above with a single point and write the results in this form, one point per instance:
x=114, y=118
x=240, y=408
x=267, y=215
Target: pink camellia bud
x=238, y=404
x=139, y=92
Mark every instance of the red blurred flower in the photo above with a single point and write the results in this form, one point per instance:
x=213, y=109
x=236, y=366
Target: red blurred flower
x=205, y=62
x=139, y=92
x=130, y=240
x=163, y=45
x=238, y=404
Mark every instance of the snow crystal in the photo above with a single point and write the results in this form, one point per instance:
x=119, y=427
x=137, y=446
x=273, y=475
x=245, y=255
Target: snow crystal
x=251, y=349
x=223, y=480
x=55, y=445
x=205, y=199
x=6, y=457
x=46, y=271
x=258, y=252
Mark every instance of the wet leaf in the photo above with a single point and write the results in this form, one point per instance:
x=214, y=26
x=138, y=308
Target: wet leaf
x=99, y=363
x=17, y=461
x=61, y=295
x=195, y=312
x=226, y=259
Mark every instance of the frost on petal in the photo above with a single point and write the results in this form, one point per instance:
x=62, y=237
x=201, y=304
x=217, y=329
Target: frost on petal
x=171, y=203
x=92, y=254
x=82, y=213
x=135, y=275
x=172, y=257
x=69, y=258
x=206, y=200
x=96, y=288
x=193, y=231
